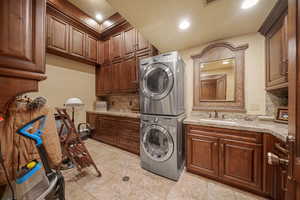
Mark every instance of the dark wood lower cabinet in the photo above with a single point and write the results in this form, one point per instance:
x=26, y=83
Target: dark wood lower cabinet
x=122, y=132
x=203, y=154
x=232, y=157
x=241, y=163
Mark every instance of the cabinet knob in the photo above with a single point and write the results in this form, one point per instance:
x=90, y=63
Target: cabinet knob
x=215, y=144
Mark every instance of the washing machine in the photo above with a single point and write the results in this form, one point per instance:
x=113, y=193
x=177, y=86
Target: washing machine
x=162, y=84
x=162, y=145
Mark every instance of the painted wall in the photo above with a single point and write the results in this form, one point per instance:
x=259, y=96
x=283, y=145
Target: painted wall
x=67, y=78
x=255, y=95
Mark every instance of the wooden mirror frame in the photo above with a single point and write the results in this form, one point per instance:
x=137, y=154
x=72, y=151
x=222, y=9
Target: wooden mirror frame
x=216, y=52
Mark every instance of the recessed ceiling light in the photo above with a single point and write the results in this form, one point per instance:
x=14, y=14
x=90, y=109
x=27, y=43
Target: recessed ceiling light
x=225, y=62
x=99, y=17
x=184, y=24
x=249, y=3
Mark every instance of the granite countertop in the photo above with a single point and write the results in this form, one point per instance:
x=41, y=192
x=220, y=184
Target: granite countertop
x=278, y=130
x=117, y=113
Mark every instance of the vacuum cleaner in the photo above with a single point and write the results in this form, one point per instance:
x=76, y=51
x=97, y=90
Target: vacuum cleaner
x=36, y=180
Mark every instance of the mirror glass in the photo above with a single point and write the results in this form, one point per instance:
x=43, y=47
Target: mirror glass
x=217, y=80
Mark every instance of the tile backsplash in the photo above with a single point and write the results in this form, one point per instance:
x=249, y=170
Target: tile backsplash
x=273, y=101
x=123, y=102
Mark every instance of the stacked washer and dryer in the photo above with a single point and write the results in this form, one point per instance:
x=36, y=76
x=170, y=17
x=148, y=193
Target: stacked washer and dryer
x=162, y=108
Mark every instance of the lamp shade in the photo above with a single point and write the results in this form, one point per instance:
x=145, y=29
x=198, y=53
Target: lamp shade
x=73, y=102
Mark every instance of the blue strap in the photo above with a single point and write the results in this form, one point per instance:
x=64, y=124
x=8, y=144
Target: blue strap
x=29, y=174
x=36, y=136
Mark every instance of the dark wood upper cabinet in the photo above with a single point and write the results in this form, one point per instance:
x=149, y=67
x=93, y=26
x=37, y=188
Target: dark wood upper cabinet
x=277, y=62
x=116, y=42
x=91, y=48
x=116, y=76
x=275, y=30
x=103, y=80
x=22, y=48
x=128, y=74
x=77, y=42
x=58, y=34
x=142, y=43
x=203, y=154
x=22, y=35
x=129, y=42
x=106, y=56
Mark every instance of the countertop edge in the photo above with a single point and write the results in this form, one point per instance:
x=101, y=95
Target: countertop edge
x=241, y=127
x=117, y=114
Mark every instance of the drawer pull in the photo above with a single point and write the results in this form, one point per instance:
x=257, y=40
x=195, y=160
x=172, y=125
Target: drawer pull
x=275, y=160
x=281, y=149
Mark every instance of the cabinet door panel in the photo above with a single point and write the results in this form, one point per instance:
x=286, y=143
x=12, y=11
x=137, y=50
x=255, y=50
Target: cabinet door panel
x=138, y=59
x=277, y=54
x=77, y=42
x=128, y=74
x=22, y=35
x=103, y=80
x=240, y=163
x=91, y=48
x=116, y=67
x=116, y=46
x=129, y=42
x=105, y=130
x=58, y=34
x=202, y=154
x=142, y=43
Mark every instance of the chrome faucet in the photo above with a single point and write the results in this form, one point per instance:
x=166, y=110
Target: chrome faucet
x=216, y=114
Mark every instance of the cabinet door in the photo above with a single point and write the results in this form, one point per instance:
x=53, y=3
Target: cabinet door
x=241, y=163
x=103, y=80
x=142, y=43
x=91, y=48
x=202, y=155
x=277, y=54
x=139, y=57
x=105, y=130
x=116, y=67
x=128, y=136
x=128, y=74
x=104, y=57
x=91, y=119
x=58, y=34
x=129, y=42
x=77, y=42
x=116, y=46
x=22, y=35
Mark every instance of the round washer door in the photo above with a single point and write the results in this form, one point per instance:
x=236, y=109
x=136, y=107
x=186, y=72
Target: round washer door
x=157, y=143
x=157, y=81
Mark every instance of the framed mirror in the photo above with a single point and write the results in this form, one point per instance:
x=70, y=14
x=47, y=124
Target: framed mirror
x=219, y=78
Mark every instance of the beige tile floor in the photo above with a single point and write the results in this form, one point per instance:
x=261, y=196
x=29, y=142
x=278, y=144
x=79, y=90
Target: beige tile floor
x=142, y=185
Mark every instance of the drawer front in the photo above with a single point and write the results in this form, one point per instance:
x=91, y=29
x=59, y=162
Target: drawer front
x=231, y=134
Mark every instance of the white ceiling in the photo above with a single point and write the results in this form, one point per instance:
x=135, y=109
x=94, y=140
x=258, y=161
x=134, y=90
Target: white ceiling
x=94, y=7
x=158, y=20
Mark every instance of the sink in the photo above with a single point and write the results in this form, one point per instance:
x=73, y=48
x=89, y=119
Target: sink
x=217, y=121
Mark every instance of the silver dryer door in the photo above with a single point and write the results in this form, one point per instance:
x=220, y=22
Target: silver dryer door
x=157, y=143
x=157, y=81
